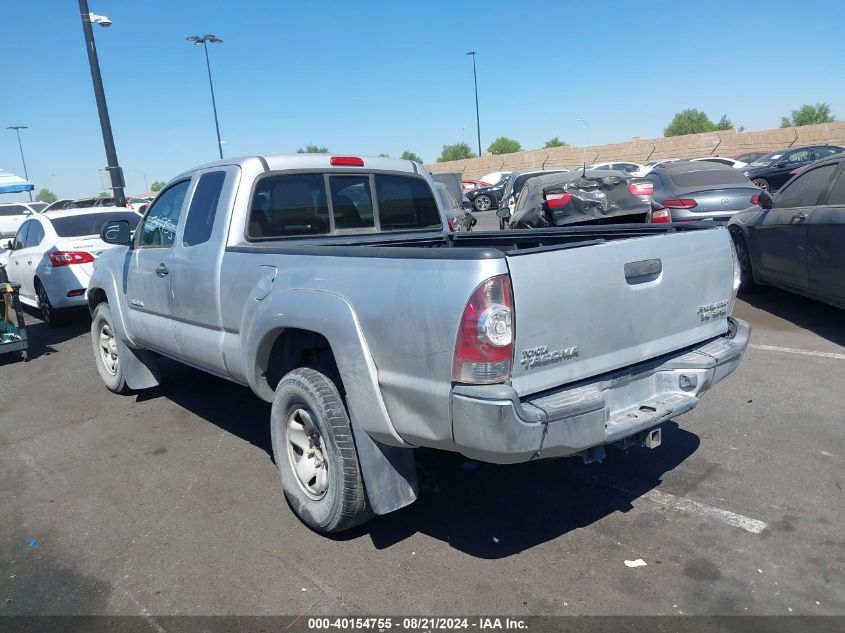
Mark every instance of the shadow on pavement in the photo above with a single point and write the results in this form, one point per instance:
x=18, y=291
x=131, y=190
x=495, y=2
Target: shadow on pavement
x=468, y=504
x=462, y=502
x=820, y=318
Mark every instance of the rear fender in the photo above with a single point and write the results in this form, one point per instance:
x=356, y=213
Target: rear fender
x=387, y=462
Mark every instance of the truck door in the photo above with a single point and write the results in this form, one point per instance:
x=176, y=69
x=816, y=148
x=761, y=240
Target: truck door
x=195, y=273
x=148, y=277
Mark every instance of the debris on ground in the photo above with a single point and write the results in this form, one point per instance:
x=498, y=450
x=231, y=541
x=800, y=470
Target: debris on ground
x=636, y=563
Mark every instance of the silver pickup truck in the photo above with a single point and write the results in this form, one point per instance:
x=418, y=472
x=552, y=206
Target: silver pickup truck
x=331, y=287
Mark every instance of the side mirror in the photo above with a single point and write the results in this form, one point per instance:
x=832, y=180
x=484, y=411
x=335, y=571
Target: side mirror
x=8, y=245
x=764, y=199
x=504, y=212
x=781, y=164
x=27, y=212
x=116, y=232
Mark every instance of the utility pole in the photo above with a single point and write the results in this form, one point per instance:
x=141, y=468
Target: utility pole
x=477, y=120
x=17, y=129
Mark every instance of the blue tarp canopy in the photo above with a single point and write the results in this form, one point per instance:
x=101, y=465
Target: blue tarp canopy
x=9, y=183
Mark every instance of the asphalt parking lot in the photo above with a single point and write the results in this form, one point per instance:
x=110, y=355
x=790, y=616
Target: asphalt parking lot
x=168, y=502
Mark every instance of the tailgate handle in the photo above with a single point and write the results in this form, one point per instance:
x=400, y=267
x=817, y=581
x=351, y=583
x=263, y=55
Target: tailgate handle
x=644, y=268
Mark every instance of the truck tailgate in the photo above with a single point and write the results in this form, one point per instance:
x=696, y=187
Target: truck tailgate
x=587, y=310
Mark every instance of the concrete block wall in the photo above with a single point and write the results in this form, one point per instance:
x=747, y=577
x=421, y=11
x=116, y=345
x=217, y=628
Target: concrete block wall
x=721, y=143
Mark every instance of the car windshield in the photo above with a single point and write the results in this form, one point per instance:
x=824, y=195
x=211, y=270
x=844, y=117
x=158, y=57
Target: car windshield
x=38, y=206
x=91, y=223
x=768, y=159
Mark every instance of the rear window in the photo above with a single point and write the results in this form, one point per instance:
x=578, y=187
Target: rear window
x=708, y=178
x=292, y=205
x=12, y=209
x=90, y=223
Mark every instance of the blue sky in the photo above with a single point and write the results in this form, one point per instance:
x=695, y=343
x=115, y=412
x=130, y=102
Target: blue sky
x=368, y=77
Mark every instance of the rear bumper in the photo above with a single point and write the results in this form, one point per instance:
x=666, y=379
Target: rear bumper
x=492, y=424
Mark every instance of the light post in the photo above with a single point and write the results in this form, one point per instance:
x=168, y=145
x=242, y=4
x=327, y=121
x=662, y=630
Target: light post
x=204, y=40
x=17, y=129
x=477, y=120
x=587, y=125
x=113, y=167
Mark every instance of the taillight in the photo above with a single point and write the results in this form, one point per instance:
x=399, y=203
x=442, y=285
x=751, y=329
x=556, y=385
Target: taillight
x=680, y=203
x=452, y=225
x=661, y=215
x=484, y=347
x=347, y=160
x=66, y=258
x=641, y=188
x=555, y=200
x=755, y=199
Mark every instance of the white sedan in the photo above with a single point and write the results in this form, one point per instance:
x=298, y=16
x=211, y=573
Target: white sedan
x=635, y=169
x=52, y=257
x=722, y=160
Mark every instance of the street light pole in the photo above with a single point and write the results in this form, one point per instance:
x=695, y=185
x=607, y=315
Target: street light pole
x=113, y=166
x=587, y=125
x=196, y=39
x=17, y=129
x=477, y=120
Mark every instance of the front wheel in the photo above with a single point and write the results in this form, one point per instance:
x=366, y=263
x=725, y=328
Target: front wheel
x=482, y=203
x=315, y=453
x=106, y=351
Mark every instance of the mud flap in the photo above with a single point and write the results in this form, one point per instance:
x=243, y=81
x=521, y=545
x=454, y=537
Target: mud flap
x=139, y=366
x=390, y=473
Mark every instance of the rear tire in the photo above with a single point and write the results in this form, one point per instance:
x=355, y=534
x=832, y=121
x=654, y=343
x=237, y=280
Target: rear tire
x=105, y=347
x=746, y=275
x=762, y=183
x=49, y=314
x=315, y=453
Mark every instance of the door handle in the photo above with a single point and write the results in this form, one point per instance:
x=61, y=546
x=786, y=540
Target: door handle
x=799, y=217
x=162, y=270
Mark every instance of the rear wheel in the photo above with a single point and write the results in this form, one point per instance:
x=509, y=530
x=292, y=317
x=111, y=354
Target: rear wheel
x=483, y=203
x=762, y=183
x=106, y=351
x=315, y=453
x=50, y=316
x=746, y=276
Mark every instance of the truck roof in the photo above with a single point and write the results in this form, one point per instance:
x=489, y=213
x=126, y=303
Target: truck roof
x=280, y=162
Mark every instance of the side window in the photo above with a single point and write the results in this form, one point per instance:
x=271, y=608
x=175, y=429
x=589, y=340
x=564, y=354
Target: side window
x=837, y=194
x=35, y=235
x=824, y=152
x=352, y=202
x=203, y=209
x=162, y=220
x=405, y=203
x=800, y=156
x=20, y=236
x=287, y=206
x=806, y=188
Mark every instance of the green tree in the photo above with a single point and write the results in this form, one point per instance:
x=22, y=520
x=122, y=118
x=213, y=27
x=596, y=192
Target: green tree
x=45, y=195
x=156, y=186
x=458, y=151
x=724, y=123
x=555, y=142
x=808, y=115
x=690, y=121
x=313, y=149
x=385, y=155
x=406, y=155
x=504, y=145
x=104, y=194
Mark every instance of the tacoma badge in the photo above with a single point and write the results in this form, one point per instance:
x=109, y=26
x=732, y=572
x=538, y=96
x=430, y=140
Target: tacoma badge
x=538, y=356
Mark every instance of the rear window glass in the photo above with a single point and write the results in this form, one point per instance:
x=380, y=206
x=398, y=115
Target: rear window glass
x=91, y=223
x=12, y=209
x=708, y=178
x=293, y=205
